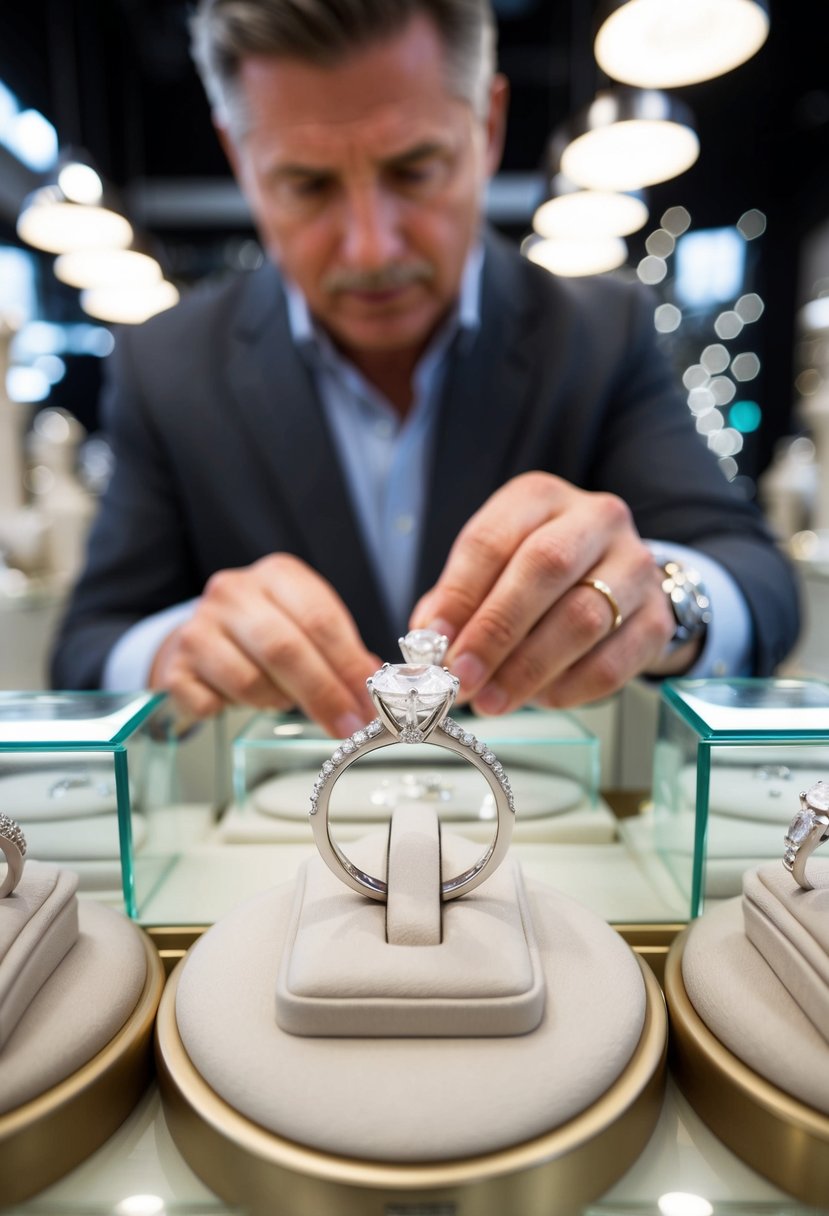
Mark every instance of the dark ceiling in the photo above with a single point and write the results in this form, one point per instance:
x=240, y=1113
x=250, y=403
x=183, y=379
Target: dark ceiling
x=115, y=77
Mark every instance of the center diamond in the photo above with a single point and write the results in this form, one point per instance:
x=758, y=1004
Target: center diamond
x=410, y=693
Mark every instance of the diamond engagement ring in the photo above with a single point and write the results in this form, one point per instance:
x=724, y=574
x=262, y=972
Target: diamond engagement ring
x=808, y=829
x=412, y=700
x=13, y=847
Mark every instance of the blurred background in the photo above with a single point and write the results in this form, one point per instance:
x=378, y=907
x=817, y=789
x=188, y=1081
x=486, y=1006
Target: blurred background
x=735, y=245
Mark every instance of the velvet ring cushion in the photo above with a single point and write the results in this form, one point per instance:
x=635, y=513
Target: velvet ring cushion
x=472, y=967
x=38, y=925
x=741, y=998
x=790, y=929
x=505, y=1088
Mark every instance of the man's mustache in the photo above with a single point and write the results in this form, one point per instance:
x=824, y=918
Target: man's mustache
x=385, y=278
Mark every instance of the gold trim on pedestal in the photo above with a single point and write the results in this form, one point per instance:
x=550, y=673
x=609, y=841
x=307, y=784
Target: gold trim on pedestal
x=249, y=1166
x=48, y=1136
x=780, y=1137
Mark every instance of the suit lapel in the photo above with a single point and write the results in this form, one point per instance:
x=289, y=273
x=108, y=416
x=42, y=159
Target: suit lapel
x=279, y=407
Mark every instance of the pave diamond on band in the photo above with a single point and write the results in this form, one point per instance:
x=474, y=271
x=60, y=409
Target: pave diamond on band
x=808, y=829
x=13, y=847
x=413, y=700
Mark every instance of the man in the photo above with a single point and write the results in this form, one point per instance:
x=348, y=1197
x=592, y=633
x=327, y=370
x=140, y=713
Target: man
x=405, y=413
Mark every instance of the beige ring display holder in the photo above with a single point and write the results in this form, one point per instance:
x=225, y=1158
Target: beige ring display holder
x=280, y=1123
x=783, y=1138
x=46, y=1135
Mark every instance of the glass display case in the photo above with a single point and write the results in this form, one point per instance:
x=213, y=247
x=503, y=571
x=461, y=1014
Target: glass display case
x=99, y=783
x=730, y=760
x=552, y=761
x=74, y=774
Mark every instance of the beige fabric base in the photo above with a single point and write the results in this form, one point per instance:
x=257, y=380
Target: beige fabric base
x=406, y=1100
x=741, y=792
x=414, y=907
x=367, y=793
x=38, y=925
x=40, y=794
x=79, y=1009
x=744, y=1004
x=790, y=928
x=341, y=974
x=94, y=838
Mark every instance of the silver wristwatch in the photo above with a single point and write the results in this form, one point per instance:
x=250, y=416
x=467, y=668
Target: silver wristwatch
x=689, y=603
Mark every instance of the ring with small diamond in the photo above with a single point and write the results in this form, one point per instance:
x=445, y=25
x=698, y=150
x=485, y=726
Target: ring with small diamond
x=413, y=700
x=808, y=829
x=13, y=848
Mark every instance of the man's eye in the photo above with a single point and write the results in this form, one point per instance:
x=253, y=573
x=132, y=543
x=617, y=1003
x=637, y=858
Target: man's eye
x=310, y=187
x=418, y=173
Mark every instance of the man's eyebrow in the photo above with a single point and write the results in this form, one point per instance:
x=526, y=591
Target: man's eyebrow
x=420, y=151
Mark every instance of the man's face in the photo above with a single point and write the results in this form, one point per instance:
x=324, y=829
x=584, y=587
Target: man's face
x=366, y=180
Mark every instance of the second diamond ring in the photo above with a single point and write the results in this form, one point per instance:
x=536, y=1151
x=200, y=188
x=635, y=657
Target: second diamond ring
x=808, y=829
x=13, y=848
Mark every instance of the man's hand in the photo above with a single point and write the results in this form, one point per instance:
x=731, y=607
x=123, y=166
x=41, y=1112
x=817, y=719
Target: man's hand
x=523, y=627
x=273, y=635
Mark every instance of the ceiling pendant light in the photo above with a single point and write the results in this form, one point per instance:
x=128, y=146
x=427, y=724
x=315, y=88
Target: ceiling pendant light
x=626, y=139
x=72, y=212
x=128, y=304
x=574, y=256
x=667, y=43
x=573, y=212
x=103, y=267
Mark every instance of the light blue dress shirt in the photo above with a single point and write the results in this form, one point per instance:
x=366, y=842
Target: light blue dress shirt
x=385, y=462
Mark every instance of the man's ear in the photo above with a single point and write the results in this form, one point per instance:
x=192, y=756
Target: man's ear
x=496, y=122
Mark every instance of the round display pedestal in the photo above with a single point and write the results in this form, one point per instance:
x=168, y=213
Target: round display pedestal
x=48, y=1136
x=778, y=1136
x=267, y=1174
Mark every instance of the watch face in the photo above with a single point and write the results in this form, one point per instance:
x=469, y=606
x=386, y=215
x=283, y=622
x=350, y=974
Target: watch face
x=691, y=606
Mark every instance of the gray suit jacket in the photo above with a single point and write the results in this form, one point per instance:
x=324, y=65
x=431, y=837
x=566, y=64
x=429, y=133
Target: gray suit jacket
x=223, y=455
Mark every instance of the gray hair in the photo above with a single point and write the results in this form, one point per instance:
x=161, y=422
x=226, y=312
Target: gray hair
x=324, y=32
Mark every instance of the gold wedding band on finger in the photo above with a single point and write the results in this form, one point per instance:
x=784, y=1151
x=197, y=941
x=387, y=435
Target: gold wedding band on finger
x=601, y=586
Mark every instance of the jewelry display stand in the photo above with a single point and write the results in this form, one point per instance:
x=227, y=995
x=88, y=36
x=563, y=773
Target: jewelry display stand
x=480, y=1113
x=79, y=1058
x=747, y=1056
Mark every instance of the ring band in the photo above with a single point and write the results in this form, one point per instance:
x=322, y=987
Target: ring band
x=601, y=586
x=808, y=829
x=13, y=847
x=412, y=700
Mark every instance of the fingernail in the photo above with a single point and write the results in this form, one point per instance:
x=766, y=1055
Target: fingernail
x=346, y=725
x=469, y=669
x=492, y=699
x=441, y=626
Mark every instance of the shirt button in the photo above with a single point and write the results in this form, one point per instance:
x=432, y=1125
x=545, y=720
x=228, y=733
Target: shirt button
x=720, y=668
x=384, y=428
x=404, y=524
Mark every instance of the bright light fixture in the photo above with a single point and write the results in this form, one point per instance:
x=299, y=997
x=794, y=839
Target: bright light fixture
x=574, y=256
x=590, y=213
x=627, y=139
x=105, y=267
x=49, y=221
x=667, y=43
x=128, y=305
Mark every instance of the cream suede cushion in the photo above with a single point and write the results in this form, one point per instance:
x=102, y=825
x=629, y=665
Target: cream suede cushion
x=743, y=1003
x=79, y=1009
x=38, y=924
x=415, y=1099
x=790, y=928
x=414, y=966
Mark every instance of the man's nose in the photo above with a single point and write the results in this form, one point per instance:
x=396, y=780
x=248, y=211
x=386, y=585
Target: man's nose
x=371, y=233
